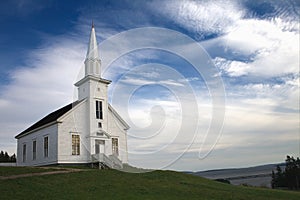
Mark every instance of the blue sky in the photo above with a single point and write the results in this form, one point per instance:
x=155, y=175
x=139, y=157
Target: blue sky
x=253, y=47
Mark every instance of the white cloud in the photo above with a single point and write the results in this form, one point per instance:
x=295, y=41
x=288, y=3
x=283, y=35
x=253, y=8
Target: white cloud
x=272, y=49
x=269, y=47
x=258, y=50
x=232, y=68
x=209, y=17
x=251, y=35
x=44, y=84
x=139, y=81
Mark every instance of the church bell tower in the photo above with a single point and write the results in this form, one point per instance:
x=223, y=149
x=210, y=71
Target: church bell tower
x=93, y=89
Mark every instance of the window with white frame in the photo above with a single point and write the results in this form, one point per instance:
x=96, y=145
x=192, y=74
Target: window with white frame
x=99, y=111
x=24, y=152
x=46, y=146
x=115, y=146
x=33, y=149
x=75, y=145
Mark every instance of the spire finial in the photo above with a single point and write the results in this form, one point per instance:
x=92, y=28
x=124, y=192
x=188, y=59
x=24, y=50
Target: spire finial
x=92, y=23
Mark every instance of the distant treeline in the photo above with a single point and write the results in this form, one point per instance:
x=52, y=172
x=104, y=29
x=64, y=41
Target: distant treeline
x=4, y=157
x=288, y=178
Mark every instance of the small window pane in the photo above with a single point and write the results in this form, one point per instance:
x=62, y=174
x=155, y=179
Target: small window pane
x=46, y=150
x=34, y=150
x=115, y=146
x=99, y=111
x=24, y=152
x=75, y=145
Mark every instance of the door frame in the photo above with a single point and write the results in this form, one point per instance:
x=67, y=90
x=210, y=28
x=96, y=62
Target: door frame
x=99, y=146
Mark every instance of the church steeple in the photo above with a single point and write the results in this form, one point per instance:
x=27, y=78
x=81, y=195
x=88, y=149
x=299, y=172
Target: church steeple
x=92, y=61
x=92, y=86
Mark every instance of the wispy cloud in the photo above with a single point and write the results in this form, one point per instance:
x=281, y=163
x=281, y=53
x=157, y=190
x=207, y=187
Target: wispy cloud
x=272, y=50
x=203, y=17
x=42, y=85
x=259, y=62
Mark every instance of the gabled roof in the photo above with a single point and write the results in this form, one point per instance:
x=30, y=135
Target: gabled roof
x=114, y=112
x=52, y=117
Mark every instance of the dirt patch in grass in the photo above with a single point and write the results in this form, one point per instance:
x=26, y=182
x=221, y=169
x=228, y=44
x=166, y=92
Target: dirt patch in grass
x=10, y=171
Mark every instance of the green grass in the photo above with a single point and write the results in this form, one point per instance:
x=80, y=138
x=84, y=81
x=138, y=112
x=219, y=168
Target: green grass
x=112, y=184
x=8, y=171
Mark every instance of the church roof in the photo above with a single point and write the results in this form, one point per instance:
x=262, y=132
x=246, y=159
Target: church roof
x=48, y=119
x=115, y=113
x=52, y=117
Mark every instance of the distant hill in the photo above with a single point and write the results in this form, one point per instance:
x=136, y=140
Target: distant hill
x=112, y=184
x=255, y=176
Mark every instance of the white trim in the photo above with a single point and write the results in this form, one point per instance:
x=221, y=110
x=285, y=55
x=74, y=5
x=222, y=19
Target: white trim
x=75, y=132
x=46, y=136
x=61, y=118
x=34, y=157
x=26, y=152
x=36, y=129
x=115, y=113
x=98, y=137
x=91, y=77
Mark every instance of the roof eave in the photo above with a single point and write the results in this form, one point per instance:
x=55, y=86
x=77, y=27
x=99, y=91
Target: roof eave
x=36, y=129
x=119, y=117
x=88, y=77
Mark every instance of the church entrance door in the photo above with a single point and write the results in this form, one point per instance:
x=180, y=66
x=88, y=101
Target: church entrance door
x=99, y=146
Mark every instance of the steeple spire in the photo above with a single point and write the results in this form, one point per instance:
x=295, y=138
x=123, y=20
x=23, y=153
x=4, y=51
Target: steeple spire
x=92, y=60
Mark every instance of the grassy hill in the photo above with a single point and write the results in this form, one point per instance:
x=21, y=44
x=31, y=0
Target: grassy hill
x=112, y=184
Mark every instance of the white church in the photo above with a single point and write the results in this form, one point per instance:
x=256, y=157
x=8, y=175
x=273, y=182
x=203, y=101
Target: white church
x=87, y=131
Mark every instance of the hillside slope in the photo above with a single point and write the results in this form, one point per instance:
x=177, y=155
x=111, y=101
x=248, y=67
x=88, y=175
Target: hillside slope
x=111, y=184
x=255, y=176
